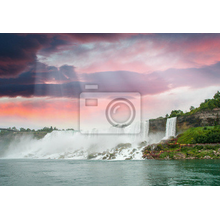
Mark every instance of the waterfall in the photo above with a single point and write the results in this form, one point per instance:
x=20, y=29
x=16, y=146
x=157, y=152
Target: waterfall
x=170, y=127
x=146, y=130
x=74, y=145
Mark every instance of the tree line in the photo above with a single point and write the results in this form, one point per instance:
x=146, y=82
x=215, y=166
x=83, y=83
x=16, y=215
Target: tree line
x=208, y=104
x=45, y=129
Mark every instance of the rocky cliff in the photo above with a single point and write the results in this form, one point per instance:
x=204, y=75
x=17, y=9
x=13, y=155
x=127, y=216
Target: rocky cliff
x=157, y=125
x=199, y=119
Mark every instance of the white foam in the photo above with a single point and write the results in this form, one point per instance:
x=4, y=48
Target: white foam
x=74, y=145
x=170, y=128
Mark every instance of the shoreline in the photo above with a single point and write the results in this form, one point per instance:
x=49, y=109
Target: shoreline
x=170, y=150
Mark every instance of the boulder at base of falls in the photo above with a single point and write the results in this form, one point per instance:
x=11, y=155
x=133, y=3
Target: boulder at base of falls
x=122, y=146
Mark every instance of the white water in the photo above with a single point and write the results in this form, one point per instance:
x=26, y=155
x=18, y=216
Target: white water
x=146, y=130
x=170, y=127
x=74, y=145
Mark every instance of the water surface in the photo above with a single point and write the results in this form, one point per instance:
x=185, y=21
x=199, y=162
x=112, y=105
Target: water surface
x=37, y=172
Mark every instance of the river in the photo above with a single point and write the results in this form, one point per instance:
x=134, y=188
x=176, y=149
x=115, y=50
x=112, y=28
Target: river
x=38, y=172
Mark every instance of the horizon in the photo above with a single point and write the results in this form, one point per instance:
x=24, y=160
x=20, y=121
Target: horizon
x=42, y=75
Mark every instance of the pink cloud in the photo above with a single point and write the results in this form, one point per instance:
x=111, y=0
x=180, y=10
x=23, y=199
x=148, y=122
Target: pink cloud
x=139, y=53
x=143, y=53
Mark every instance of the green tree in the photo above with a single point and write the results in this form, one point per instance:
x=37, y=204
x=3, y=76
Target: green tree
x=192, y=108
x=46, y=129
x=211, y=104
x=203, y=105
x=175, y=113
x=217, y=95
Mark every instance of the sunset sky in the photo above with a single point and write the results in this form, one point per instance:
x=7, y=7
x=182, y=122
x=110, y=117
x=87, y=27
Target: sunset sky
x=42, y=75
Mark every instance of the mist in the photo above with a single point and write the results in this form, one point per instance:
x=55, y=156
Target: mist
x=74, y=145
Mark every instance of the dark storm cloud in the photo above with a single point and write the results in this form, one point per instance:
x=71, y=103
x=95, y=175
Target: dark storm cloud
x=63, y=82
x=18, y=51
x=94, y=37
x=22, y=75
x=40, y=90
x=40, y=73
x=42, y=80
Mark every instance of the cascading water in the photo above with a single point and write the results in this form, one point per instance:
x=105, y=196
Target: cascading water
x=74, y=145
x=170, y=128
x=146, y=130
